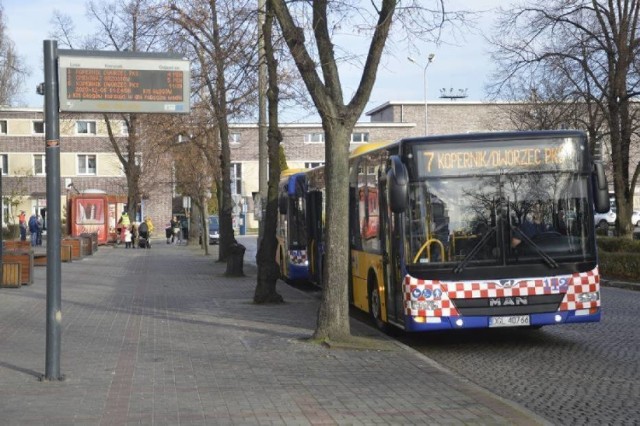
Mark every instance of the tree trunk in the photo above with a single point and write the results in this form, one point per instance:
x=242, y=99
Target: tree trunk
x=268, y=272
x=333, y=315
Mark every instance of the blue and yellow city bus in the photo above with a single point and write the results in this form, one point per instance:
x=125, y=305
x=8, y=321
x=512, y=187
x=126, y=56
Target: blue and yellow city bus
x=469, y=231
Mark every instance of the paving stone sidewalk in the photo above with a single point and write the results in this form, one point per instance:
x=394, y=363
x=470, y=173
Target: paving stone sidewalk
x=161, y=336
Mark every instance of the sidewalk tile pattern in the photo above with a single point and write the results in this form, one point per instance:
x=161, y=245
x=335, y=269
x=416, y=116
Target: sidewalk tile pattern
x=161, y=336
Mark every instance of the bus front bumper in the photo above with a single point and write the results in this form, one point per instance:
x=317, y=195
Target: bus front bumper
x=534, y=320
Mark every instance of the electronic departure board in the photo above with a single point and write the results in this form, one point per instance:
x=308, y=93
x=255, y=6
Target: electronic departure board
x=94, y=81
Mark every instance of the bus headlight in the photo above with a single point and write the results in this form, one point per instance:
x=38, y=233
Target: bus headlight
x=425, y=305
x=592, y=296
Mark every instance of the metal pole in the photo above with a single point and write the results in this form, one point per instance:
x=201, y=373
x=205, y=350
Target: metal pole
x=52, y=151
x=426, y=123
x=263, y=180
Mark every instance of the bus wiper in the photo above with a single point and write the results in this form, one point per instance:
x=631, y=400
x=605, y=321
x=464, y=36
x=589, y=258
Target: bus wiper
x=483, y=241
x=548, y=259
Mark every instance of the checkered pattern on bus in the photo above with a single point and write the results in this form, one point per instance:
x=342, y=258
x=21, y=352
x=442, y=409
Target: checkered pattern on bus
x=569, y=285
x=298, y=256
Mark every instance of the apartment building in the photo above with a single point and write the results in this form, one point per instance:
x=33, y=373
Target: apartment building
x=87, y=163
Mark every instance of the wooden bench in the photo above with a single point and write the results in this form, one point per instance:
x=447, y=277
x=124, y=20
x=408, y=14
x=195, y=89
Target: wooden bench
x=76, y=246
x=11, y=275
x=23, y=257
x=40, y=259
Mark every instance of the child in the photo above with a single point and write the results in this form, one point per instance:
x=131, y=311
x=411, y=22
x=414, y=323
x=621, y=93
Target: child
x=127, y=237
x=134, y=235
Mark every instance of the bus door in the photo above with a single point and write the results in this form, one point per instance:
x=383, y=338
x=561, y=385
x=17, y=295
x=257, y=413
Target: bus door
x=390, y=235
x=315, y=245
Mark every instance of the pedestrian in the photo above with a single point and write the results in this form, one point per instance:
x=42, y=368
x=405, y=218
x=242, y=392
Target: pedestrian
x=127, y=237
x=123, y=224
x=175, y=230
x=168, y=231
x=134, y=235
x=33, y=229
x=144, y=230
x=40, y=228
x=22, y=222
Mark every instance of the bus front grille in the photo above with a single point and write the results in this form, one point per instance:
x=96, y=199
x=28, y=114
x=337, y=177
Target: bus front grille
x=512, y=305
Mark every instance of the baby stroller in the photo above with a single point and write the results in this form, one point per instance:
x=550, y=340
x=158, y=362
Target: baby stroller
x=143, y=240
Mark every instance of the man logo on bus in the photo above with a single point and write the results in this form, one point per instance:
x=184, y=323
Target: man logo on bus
x=509, y=301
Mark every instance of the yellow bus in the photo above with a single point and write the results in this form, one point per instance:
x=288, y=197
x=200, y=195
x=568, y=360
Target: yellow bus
x=467, y=231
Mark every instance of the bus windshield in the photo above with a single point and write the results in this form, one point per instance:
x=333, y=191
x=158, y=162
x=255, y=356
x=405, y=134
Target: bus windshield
x=499, y=219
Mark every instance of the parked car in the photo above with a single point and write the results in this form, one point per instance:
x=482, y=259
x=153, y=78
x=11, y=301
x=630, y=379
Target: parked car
x=604, y=220
x=214, y=229
x=635, y=218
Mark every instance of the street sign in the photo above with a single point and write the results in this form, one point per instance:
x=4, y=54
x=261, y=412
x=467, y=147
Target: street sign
x=135, y=82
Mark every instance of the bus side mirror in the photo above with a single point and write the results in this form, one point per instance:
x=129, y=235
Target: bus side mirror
x=397, y=185
x=283, y=203
x=601, y=189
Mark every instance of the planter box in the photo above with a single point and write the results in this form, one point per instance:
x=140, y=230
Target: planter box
x=86, y=245
x=25, y=258
x=76, y=246
x=11, y=275
x=94, y=241
x=16, y=245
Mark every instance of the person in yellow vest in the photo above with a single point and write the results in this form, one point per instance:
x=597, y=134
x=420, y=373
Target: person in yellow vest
x=123, y=223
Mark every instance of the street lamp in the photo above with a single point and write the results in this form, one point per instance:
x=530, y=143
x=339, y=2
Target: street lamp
x=429, y=60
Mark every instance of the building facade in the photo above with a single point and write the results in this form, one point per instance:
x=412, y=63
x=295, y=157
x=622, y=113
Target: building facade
x=87, y=164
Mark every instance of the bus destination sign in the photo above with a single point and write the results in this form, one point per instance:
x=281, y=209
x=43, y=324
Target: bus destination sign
x=492, y=157
x=130, y=83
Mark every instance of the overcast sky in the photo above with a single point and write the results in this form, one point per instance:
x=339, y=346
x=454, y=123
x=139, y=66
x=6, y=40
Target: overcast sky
x=465, y=65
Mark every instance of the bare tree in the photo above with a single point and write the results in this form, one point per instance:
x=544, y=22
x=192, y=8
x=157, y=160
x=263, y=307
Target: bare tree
x=223, y=45
x=317, y=63
x=12, y=71
x=591, y=47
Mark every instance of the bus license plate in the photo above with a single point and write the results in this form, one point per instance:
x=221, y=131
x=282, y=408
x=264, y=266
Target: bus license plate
x=510, y=321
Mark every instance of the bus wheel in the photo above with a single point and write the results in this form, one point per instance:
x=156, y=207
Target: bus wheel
x=375, y=306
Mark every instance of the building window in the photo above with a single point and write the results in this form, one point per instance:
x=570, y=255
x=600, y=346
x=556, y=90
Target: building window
x=3, y=127
x=86, y=127
x=234, y=137
x=314, y=137
x=236, y=178
x=38, y=127
x=38, y=164
x=86, y=164
x=312, y=164
x=5, y=164
x=360, y=137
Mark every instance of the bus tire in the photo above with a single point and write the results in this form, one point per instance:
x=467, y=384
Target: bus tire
x=375, y=305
